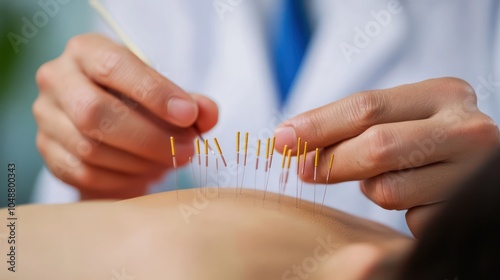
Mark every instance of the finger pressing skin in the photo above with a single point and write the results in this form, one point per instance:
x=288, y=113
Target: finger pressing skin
x=354, y=114
x=117, y=68
x=61, y=130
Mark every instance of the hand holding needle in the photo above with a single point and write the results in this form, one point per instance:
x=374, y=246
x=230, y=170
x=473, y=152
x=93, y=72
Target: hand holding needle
x=96, y=5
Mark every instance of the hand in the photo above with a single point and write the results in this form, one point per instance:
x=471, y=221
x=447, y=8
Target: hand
x=408, y=144
x=105, y=119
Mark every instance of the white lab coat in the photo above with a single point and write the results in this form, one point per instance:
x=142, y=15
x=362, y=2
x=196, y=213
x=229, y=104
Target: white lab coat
x=221, y=49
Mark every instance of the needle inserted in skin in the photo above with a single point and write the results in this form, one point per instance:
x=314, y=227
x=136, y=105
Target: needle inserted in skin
x=315, y=177
x=194, y=177
x=271, y=153
x=206, y=162
x=287, y=171
x=298, y=167
x=217, y=174
x=283, y=158
x=326, y=182
x=174, y=163
x=198, y=152
x=256, y=164
x=237, y=157
x=266, y=165
x=244, y=161
x=304, y=156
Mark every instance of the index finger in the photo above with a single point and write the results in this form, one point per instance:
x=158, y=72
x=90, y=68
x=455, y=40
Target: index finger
x=351, y=116
x=115, y=67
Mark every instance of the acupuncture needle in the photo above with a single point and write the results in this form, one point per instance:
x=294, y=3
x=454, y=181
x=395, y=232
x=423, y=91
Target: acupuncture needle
x=271, y=152
x=192, y=173
x=303, y=169
x=217, y=175
x=220, y=152
x=326, y=182
x=282, y=173
x=174, y=163
x=298, y=167
x=287, y=170
x=206, y=163
x=198, y=152
x=223, y=161
x=237, y=157
x=245, y=149
x=266, y=165
x=106, y=16
x=315, y=177
x=256, y=164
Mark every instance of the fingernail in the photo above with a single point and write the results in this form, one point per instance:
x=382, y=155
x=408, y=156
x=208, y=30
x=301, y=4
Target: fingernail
x=285, y=135
x=181, y=111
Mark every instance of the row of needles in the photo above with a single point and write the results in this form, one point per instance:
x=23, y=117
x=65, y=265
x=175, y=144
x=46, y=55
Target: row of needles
x=300, y=155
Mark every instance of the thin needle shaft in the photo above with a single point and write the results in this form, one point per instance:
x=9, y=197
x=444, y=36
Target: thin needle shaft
x=303, y=169
x=256, y=164
x=237, y=157
x=330, y=165
x=244, y=161
x=315, y=176
x=298, y=167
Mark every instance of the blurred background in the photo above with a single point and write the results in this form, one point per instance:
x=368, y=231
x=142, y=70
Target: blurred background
x=32, y=32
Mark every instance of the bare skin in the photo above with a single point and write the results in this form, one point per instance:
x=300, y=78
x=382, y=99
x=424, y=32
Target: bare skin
x=199, y=236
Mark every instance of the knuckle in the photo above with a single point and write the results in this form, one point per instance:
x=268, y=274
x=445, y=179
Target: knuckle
x=45, y=74
x=89, y=110
x=41, y=144
x=77, y=43
x=488, y=131
x=315, y=124
x=367, y=107
x=459, y=89
x=38, y=110
x=151, y=91
x=386, y=192
x=382, y=147
x=85, y=176
x=85, y=151
x=109, y=61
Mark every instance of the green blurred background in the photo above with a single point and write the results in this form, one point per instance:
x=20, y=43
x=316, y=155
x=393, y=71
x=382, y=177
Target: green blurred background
x=18, y=89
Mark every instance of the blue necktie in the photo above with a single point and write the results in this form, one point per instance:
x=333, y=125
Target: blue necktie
x=290, y=44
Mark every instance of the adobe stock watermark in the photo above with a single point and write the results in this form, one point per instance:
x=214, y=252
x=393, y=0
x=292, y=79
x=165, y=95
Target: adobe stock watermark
x=39, y=19
x=364, y=36
x=222, y=7
x=309, y=265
